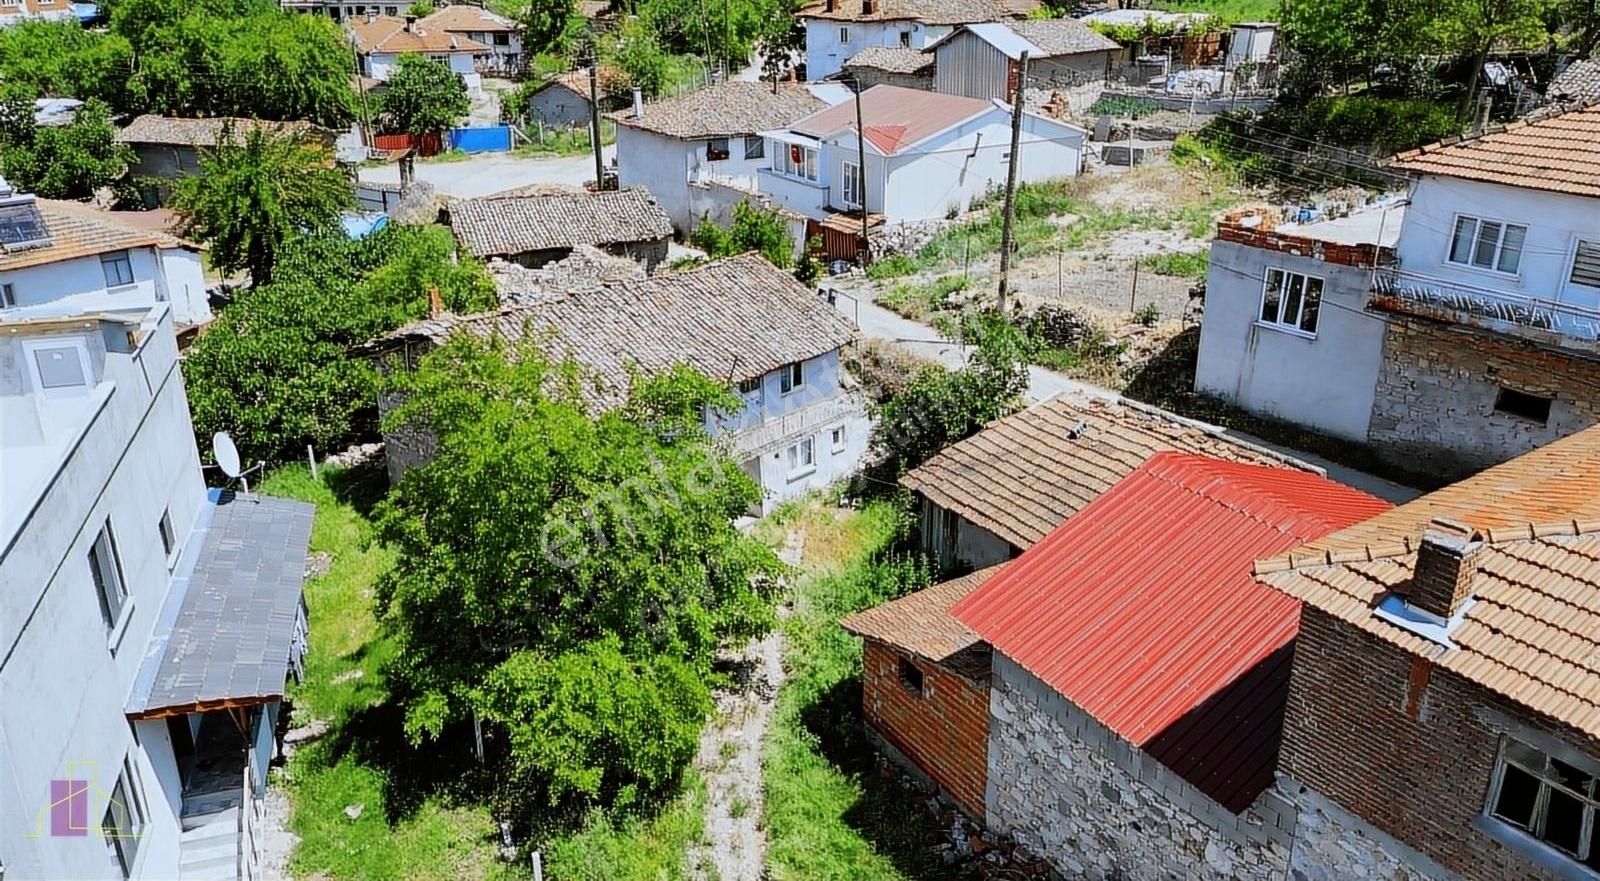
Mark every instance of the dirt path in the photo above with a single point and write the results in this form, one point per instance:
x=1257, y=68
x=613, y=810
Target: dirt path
x=729, y=758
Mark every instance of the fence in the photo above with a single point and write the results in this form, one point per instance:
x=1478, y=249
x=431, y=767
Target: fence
x=426, y=145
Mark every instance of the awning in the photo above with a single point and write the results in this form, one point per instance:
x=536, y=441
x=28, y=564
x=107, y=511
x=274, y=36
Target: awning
x=234, y=619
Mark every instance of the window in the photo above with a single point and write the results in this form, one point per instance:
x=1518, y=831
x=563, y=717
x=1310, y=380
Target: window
x=717, y=148
x=836, y=439
x=844, y=34
x=502, y=39
x=391, y=10
x=1585, y=265
x=911, y=677
x=59, y=367
x=852, y=184
x=1548, y=799
x=169, y=537
x=755, y=148
x=1487, y=244
x=905, y=39
x=1291, y=300
x=106, y=570
x=8, y=296
x=749, y=386
x=802, y=458
x=791, y=377
x=797, y=161
x=123, y=824
x=1522, y=405
x=118, y=269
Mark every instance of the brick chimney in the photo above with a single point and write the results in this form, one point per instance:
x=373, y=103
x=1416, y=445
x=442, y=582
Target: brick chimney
x=1445, y=568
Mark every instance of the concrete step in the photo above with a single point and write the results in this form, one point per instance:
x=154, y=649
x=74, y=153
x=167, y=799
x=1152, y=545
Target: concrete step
x=228, y=871
x=222, y=822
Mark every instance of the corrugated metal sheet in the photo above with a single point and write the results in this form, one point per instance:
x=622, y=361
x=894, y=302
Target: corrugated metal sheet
x=968, y=65
x=1142, y=610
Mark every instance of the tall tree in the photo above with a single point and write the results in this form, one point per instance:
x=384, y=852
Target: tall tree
x=253, y=192
x=423, y=96
x=545, y=24
x=61, y=162
x=1475, y=27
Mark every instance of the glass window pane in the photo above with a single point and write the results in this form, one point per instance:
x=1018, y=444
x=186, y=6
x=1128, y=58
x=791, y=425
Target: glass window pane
x=1524, y=755
x=1511, y=248
x=1271, y=294
x=1311, y=305
x=1461, y=245
x=1563, y=821
x=1488, y=238
x=1570, y=777
x=1291, y=300
x=1518, y=793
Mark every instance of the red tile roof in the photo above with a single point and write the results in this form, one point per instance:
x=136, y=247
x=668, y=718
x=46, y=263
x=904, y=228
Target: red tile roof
x=895, y=117
x=1142, y=610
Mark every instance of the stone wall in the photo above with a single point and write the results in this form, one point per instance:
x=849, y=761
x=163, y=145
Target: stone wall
x=1099, y=809
x=1331, y=844
x=1434, y=410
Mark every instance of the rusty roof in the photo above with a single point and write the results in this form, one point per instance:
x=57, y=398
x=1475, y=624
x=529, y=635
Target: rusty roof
x=896, y=118
x=1557, y=152
x=1533, y=634
x=77, y=230
x=1022, y=475
x=390, y=35
x=920, y=622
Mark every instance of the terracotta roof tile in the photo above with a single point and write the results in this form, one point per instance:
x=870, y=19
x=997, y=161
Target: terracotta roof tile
x=731, y=108
x=1558, y=152
x=1580, y=81
x=893, y=59
x=505, y=225
x=207, y=132
x=1023, y=475
x=77, y=230
x=387, y=34
x=462, y=18
x=920, y=622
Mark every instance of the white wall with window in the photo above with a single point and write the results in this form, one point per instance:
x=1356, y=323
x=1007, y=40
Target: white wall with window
x=830, y=42
x=129, y=279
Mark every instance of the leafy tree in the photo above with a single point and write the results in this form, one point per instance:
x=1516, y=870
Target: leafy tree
x=1476, y=26
x=423, y=96
x=420, y=9
x=637, y=51
x=63, y=59
x=939, y=407
x=61, y=162
x=253, y=192
x=545, y=23
x=752, y=229
x=275, y=370
x=781, y=42
x=565, y=574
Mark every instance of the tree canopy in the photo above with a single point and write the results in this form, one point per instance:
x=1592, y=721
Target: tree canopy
x=59, y=162
x=423, y=96
x=751, y=229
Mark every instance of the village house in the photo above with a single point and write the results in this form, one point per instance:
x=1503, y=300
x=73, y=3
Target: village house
x=889, y=66
x=1452, y=335
x=18, y=11
x=539, y=228
x=148, y=625
x=169, y=147
x=836, y=30
x=1444, y=712
x=690, y=147
x=346, y=10
x=564, y=100
x=501, y=35
x=66, y=256
x=984, y=60
x=741, y=320
x=380, y=40
x=928, y=156
x=988, y=498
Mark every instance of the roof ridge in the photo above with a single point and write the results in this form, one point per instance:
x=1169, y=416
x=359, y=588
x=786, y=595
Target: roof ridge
x=1236, y=476
x=1544, y=114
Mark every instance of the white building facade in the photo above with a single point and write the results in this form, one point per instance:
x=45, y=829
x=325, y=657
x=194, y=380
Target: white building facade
x=831, y=42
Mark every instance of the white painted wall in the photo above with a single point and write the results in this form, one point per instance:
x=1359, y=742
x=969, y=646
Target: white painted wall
x=959, y=167
x=665, y=166
x=79, y=285
x=826, y=52
x=380, y=65
x=64, y=681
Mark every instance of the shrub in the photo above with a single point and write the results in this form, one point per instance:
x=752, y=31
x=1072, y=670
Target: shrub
x=751, y=229
x=1186, y=264
x=892, y=266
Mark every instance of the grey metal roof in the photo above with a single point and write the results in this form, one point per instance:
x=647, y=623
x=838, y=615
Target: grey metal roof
x=227, y=627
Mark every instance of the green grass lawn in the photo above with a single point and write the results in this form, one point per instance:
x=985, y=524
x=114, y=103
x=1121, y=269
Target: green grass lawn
x=419, y=818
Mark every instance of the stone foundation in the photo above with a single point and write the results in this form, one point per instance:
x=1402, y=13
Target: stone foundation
x=1331, y=844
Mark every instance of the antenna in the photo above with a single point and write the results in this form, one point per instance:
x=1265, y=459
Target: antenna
x=227, y=456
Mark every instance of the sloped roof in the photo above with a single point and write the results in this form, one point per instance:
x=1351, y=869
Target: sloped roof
x=389, y=35
x=77, y=230
x=611, y=82
x=735, y=319
x=734, y=107
x=1533, y=634
x=920, y=622
x=893, y=59
x=895, y=117
x=1558, y=152
x=506, y=225
x=464, y=18
x=207, y=132
x=1023, y=475
x=1143, y=612
x=1042, y=38
x=943, y=12
x=1579, y=82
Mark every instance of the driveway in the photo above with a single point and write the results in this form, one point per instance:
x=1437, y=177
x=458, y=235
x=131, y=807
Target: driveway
x=488, y=173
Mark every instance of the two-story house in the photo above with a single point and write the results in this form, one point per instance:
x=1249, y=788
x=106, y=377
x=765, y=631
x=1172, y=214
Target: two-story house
x=147, y=626
x=501, y=35
x=742, y=320
x=380, y=40
x=1456, y=335
x=837, y=30
x=58, y=256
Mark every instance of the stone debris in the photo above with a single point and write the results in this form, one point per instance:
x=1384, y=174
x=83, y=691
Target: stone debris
x=356, y=456
x=353, y=812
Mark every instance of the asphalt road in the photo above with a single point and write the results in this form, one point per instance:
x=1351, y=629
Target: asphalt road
x=493, y=172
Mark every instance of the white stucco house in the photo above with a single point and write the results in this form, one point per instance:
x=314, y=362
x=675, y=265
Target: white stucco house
x=380, y=40
x=836, y=30
x=927, y=155
x=502, y=35
x=58, y=256
x=711, y=135
x=147, y=625
x=1452, y=329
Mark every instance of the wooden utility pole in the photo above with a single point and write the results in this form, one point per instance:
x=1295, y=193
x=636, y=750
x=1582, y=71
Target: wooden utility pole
x=1011, y=177
x=594, y=122
x=861, y=178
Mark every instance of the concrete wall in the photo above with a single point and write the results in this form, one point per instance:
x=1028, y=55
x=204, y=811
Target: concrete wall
x=64, y=678
x=955, y=541
x=714, y=200
x=944, y=173
x=942, y=732
x=163, y=160
x=1323, y=382
x=1097, y=808
x=826, y=53
x=665, y=166
x=169, y=275
x=558, y=105
x=379, y=66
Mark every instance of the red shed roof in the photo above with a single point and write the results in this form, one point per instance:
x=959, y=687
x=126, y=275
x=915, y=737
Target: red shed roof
x=1142, y=610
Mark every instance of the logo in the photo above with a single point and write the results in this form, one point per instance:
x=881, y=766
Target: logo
x=74, y=799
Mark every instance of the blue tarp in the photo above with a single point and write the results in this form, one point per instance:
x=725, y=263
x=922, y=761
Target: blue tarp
x=86, y=12
x=359, y=225
x=481, y=139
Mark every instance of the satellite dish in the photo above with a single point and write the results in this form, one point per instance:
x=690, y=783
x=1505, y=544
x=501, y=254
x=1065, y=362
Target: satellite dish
x=226, y=453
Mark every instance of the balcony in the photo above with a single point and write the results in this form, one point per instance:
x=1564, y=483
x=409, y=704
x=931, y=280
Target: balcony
x=799, y=195
x=1546, y=322
x=780, y=430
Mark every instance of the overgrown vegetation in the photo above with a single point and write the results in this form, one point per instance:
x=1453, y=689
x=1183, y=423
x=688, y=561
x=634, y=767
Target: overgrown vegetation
x=1186, y=264
x=423, y=96
x=751, y=228
x=59, y=162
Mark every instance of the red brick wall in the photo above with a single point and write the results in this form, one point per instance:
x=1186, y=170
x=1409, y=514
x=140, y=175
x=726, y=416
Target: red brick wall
x=946, y=732
x=1288, y=243
x=1416, y=766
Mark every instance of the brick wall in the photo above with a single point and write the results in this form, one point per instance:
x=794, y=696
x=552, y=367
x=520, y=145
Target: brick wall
x=1263, y=236
x=1434, y=401
x=1414, y=763
x=944, y=733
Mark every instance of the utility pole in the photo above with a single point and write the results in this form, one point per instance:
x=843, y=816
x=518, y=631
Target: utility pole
x=594, y=120
x=1011, y=178
x=861, y=178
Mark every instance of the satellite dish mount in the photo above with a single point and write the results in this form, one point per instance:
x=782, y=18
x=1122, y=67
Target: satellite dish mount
x=227, y=456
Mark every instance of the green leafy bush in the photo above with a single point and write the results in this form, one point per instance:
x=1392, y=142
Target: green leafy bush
x=1187, y=264
x=751, y=229
x=423, y=96
x=892, y=266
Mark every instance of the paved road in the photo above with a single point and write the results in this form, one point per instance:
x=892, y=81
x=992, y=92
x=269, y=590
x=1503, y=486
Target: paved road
x=493, y=172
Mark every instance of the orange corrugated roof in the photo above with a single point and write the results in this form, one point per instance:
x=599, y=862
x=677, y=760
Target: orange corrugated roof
x=1559, y=152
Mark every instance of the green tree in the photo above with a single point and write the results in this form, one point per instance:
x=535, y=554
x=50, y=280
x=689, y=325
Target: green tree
x=1474, y=27
x=546, y=24
x=61, y=162
x=566, y=574
x=253, y=192
x=636, y=50
x=63, y=59
x=420, y=9
x=423, y=96
x=752, y=229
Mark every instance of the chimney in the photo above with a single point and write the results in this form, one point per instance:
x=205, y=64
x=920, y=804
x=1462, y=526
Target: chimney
x=1485, y=107
x=435, y=302
x=638, y=104
x=411, y=24
x=1446, y=561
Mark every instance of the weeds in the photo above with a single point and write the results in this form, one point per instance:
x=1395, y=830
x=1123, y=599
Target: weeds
x=1185, y=264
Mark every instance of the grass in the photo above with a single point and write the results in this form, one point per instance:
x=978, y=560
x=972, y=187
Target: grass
x=1185, y=264
x=565, y=141
x=449, y=156
x=829, y=815
x=921, y=301
x=1230, y=11
x=632, y=848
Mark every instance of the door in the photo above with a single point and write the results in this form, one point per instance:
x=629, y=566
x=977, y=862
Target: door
x=752, y=469
x=181, y=734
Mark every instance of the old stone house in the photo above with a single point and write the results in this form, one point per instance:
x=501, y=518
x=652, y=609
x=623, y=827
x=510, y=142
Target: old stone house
x=1451, y=644
x=992, y=496
x=563, y=101
x=167, y=147
x=534, y=228
x=889, y=65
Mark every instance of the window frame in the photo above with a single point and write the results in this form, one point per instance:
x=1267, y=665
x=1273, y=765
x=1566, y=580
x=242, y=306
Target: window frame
x=711, y=151
x=1532, y=836
x=844, y=35
x=852, y=184
x=169, y=538
x=114, y=258
x=760, y=151
x=837, y=439
x=905, y=39
x=1509, y=401
x=8, y=295
x=800, y=458
x=750, y=386
x=30, y=350
x=910, y=676
x=134, y=810
x=1476, y=243
x=1297, y=326
x=791, y=377
x=1569, y=279
x=106, y=571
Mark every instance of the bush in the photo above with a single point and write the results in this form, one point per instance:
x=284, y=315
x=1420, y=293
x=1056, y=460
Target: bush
x=752, y=229
x=1122, y=105
x=892, y=266
x=1379, y=125
x=1185, y=264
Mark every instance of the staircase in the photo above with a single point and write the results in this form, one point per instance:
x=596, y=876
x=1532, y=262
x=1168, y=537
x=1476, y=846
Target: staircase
x=208, y=849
